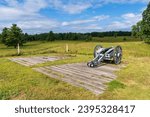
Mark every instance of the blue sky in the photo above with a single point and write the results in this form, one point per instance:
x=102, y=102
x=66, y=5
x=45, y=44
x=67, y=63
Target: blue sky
x=37, y=16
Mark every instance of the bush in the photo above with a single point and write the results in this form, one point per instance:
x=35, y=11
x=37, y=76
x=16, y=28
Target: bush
x=147, y=40
x=124, y=39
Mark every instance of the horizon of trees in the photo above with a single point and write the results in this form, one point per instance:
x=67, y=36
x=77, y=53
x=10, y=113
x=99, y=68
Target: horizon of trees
x=51, y=36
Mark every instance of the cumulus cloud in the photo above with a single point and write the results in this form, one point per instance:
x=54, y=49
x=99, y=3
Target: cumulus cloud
x=70, y=7
x=128, y=20
x=75, y=6
x=26, y=13
x=93, y=19
x=89, y=27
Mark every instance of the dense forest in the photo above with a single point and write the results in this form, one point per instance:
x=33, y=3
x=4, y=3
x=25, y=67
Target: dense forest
x=73, y=36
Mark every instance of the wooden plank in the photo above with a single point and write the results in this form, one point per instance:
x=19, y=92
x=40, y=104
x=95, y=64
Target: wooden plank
x=71, y=81
x=25, y=61
x=42, y=70
x=85, y=74
x=64, y=71
x=102, y=68
x=84, y=80
x=28, y=61
x=20, y=62
x=91, y=72
x=91, y=76
x=78, y=74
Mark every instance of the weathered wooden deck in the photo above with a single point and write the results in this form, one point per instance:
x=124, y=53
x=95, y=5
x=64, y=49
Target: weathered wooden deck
x=29, y=61
x=78, y=74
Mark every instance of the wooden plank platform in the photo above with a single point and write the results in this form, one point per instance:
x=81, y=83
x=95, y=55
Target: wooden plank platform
x=78, y=74
x=29, y=61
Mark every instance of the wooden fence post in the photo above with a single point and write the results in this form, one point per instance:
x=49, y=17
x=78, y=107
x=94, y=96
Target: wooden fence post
x=67, y=48
x=18, y=48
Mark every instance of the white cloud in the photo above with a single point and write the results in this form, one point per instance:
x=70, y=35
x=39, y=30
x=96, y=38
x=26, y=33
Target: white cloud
x=70, y=7
x=8, y=13
x=13, y=10
x=93, y=19
x=132, y=18
x=74, y=7
x=78, y=8
x=124, y=1
x=89, y=27
x=38, y=24
x=86, y=25
x=128, y=20
x=34, y=5
x=26, y=13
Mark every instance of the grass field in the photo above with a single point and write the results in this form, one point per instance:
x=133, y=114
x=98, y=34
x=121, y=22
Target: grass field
x=20, y=82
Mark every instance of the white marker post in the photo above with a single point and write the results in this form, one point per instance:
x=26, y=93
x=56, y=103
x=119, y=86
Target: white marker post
x=67, y=48
x=18, y=48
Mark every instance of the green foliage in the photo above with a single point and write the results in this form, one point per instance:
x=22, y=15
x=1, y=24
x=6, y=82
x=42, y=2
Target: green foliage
x=124, y=39
x=117, y=39
x=12, y=36
x=115, y=35
x=0, y=38
x=147, y=40
x=110, y=34
x=146, y=21
x=142, y=28
x=75, y=36
x=137, y=30
x=51, y=36
x=4, y=35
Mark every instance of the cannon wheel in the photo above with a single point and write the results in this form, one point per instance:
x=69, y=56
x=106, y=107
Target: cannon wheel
x=117, y=56
x=96, y=49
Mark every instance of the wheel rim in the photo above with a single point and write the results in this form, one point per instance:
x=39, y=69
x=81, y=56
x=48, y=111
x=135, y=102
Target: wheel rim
x=96, y=49
x=117, y=55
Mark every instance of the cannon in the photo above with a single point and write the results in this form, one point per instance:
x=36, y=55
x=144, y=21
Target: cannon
x=101, y=55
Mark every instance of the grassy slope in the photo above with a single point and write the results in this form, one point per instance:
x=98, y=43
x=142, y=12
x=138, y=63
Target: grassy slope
x=133, y=82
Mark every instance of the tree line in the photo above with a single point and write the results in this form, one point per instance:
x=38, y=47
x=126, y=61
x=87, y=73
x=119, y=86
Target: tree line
x=110, y=33
x=142, y=28
x=74, y=36
x=14, y=35
x=51, y=36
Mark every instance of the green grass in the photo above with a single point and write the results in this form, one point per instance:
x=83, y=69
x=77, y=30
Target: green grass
x=19, y=82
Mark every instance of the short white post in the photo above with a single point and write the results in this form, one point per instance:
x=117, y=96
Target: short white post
x=66, y=47
x=18, y=48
